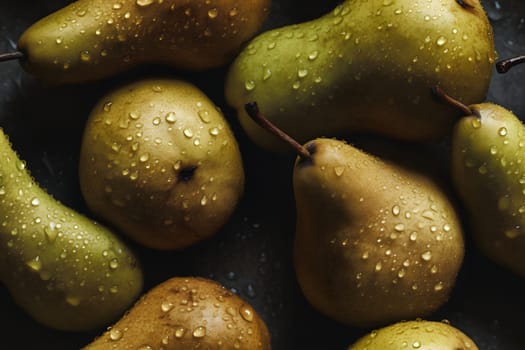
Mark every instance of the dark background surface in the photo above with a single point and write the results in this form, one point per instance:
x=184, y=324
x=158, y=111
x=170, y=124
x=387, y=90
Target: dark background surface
x=252, y=254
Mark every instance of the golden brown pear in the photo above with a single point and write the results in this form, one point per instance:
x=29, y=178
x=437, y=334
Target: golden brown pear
x=187, y=313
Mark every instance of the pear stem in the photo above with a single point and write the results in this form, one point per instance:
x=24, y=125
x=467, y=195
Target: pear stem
x=253, y=111
x=505, y=65
x=438, y=91
x=9, y=56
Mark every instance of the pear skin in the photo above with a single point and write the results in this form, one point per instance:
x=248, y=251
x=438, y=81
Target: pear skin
x=365, y=67
x=93, y=39
x=418, y=334
x=63, y=269
x=488, y=148
x=159, y=161
x=375, y=242
x=187, y=313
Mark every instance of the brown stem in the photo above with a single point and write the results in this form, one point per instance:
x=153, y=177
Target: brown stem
x=253, y=111
x=505, y=65
x=16, y=55
x=438, y=91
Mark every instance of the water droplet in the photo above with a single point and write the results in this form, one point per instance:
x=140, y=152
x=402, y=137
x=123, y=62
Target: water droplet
x=246, y=313
x=166, y=306
x=156, y=88
x=213, y=13
x=416, y=345
x=301, y=73
x=199, y=332
x=113, y=264
x=35, y=264
x=476, y=123
x=144, y=157
x=296, y=85
x=379, y=266
x=134, y=116
x=401, y=273
x=35, y=202
x=413, y=236
x=85, y=56
x=438, y=286
x=339, y=170
x=115, y=334
x=441, y=41
x=143, y=3
x=313, y=55
x=396, y=210
x=179, y=332
x=145, y=347
x=214, y=131
x=426, y=256
x=156, y=121
x=171, y=117
x=204, y=115
x=502, y=131
x=117, y=6
x=249, y=85
x=58, y=40
x=204, y=200
x=188, y=133
x=399, y=227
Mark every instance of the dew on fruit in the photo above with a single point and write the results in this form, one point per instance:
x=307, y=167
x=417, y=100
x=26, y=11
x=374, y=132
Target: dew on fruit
x=199, y=332
x=143, y=3
x=115, y=334
x=426, y=256
x=249, y=85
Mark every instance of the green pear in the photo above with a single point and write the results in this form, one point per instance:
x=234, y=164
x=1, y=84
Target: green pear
x=65, y=270
x=375, y=242
x=365, y=67
x=418, y=334
x=94, y=39
x=187, y=313
x=159, y=161
x=488, y=148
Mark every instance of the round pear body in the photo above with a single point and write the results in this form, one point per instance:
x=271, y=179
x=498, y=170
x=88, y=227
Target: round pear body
x=57, y=264
x=365, y=65
x=159, y=161
x=375, y=242
x=418, y=334
x=488, y=149
x=93, y=39
x=187, y=313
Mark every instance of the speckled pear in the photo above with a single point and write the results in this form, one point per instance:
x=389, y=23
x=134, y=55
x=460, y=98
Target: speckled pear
x=488, y=148
x=187, y=313
x=65, y=270
x=94, y=39
x=417, y=334
x=367, y=66
x=159, y=161
x=375, y=242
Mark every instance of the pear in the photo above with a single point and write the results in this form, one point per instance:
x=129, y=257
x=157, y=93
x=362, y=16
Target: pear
x=93, y=39
x=159, y=161
x=365, y=67
x=417, y=334
x=375, y=242
x=488, y=148
x=63, y=269
x=187, y=313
